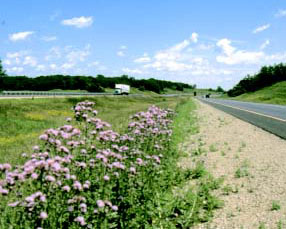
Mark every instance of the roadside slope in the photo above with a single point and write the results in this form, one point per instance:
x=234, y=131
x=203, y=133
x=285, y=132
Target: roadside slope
x=275, y=94
x=253, y=164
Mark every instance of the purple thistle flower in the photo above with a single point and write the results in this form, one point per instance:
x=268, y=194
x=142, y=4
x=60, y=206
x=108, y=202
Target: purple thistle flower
x=66, y=188
x=43, y=215
x=34, y=176
x=114, y=208
x=44, y=137
x=80, y=220
x=100, y=203
x=106, y=178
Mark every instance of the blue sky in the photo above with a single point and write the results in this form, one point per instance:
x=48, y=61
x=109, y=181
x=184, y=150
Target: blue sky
x=208, y=43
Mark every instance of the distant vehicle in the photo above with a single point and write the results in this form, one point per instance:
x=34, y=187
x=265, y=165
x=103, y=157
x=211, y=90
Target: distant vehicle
x=122, y=89
x=208, y=95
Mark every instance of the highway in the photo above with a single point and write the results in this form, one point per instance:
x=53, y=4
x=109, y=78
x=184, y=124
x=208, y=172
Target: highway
x=269, y=117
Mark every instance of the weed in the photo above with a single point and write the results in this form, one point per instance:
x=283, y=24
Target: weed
x=213, y=148
x=261, y=225
x=275, y=206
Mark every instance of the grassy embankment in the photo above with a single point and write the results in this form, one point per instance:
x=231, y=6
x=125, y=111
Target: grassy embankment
x=275, y=94
x=22, y=121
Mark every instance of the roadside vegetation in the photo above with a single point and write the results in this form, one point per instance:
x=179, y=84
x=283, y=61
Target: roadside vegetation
x=88, y=173
x=275, y=94
x=22, y=120
x=267, y=76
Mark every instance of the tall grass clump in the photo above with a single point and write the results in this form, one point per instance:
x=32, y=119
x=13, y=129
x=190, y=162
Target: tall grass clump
x=86, y=175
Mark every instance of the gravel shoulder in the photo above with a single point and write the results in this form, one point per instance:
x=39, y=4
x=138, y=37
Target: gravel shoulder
x=253, y=165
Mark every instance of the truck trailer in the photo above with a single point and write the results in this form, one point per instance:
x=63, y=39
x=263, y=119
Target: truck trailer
x=122, y=89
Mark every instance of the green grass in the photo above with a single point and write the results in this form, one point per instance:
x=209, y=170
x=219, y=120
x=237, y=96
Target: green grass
x=23, y=120
x=275, y=206
x=275, y=94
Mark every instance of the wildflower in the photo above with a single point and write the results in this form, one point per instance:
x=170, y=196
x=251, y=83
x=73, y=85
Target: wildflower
x=66, y=188
x=64, y=149
x=34, y=176
x=68, y=119
x=44, y=137
x=114, y=208
x=139, y=161
x=56, y=166
x=50, y=178
x=100, y=203
x=7, y=166
x=83, y=151
x=43, y=215
x=77, y=185
x=106, y=178
x=132, y=170
x=83, y=207
x=14, y=204
x=43, y=198
x=36, y=148
x=80, y=220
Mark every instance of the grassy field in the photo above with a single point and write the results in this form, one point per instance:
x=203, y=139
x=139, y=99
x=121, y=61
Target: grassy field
x=23, y=120
x=275, y=94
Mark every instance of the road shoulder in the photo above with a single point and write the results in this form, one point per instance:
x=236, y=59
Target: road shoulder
x=253, y=165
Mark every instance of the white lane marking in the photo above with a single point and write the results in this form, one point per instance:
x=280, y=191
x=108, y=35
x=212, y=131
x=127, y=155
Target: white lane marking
x=253, y=112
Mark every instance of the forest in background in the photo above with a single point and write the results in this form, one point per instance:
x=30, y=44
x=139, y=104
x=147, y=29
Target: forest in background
x=89, y=83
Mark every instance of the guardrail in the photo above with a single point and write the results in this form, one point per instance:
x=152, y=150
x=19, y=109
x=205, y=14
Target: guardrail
x=45, y=93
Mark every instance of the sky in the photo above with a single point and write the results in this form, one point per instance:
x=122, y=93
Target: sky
x=208, y=43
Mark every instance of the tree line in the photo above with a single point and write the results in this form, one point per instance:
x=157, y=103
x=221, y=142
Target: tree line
x=267, y=76
x=89, y=83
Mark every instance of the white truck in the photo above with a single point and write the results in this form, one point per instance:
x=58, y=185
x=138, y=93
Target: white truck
x=122, y=89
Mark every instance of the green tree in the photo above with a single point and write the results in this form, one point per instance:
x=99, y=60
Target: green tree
x=2, y=74
x=220, y=89
x=2, y=71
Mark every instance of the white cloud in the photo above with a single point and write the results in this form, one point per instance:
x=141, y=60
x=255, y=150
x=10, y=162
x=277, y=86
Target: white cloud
x=7, y=62
x=15, y=69
x=20, y=36
x=53, y=54
x=205, y=46
x=15, y=57
x=49, y=38
x=41, y=67
x=281, y=13
x=232, y=56
x=93, y=64
x=194, y=37
x=78, y=22
x=30, y=60
x=53, y=66
x=66, y=66
x=132, y=71
x=144, y=59
x=265, y=44
x=78, y=55
x=261, y=28
x=180, y=46
x=120, y=53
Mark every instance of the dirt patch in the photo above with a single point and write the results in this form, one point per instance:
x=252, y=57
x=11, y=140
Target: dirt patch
x=253, y=164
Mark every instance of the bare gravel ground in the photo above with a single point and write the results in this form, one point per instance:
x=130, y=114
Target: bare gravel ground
x=253, y=164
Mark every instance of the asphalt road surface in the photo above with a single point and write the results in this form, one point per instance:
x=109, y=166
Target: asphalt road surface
x=269, y=117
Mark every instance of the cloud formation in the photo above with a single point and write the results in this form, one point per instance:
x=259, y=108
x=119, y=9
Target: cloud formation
x=20, y=36
x=233, y=56
x=281, y=13
x=261, y=28
x=78, y=22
